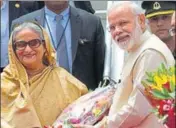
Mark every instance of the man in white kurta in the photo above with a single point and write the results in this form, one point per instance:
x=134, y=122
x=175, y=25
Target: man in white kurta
x=146, y=52
x=130, y=107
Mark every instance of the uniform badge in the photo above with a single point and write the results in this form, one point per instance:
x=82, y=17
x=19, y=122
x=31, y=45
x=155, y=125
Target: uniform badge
x=17, y=5
x=156, y=6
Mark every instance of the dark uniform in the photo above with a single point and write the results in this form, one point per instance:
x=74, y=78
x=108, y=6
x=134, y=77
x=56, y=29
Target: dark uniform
x=154, y=8
x=19, y=8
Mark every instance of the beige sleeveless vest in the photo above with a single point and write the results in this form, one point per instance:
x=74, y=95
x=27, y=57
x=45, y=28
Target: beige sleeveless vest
x=126, y=89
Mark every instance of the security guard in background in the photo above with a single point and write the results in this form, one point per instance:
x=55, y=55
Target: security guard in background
x=159, y=14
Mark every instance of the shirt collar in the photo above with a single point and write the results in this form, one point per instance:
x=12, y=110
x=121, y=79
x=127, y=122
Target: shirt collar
x=52, y=14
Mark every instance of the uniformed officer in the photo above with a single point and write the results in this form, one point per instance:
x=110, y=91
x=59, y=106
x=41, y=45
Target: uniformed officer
x=159, y=14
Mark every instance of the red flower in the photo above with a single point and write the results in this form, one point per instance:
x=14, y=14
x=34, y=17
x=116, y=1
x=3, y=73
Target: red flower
x=161, y=111
x=165, y=106
x=171, y=118
x=167, y=86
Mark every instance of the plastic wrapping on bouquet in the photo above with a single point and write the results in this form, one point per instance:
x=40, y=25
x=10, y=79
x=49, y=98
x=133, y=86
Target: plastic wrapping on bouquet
x=88, y=109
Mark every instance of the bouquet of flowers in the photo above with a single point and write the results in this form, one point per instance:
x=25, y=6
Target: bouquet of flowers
x=160, y=90
x=88, y=109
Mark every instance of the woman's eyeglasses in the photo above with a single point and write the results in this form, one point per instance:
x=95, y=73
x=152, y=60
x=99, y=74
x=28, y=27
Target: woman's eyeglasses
x=21, y=45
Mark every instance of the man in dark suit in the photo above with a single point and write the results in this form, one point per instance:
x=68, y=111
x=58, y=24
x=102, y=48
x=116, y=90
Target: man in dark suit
x=84, y=5
x=86, y=38
x=11, y=10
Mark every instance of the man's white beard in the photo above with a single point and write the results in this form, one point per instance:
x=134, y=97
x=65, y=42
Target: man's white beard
x=133, y=40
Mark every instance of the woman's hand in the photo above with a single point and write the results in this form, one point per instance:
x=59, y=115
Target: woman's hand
x=82, y=126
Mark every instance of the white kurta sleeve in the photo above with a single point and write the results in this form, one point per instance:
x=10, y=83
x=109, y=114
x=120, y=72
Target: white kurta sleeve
x=137, y=108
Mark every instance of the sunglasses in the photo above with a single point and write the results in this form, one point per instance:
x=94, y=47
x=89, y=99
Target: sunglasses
x=21, y=45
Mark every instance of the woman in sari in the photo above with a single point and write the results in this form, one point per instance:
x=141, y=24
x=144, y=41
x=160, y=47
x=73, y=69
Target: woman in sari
x=34, y=91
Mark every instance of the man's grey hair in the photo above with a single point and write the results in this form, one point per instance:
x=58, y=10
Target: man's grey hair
x=28, y=25
x=135, y=8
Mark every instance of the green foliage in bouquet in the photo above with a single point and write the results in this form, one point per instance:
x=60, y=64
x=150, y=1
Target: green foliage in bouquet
x=160, y=90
